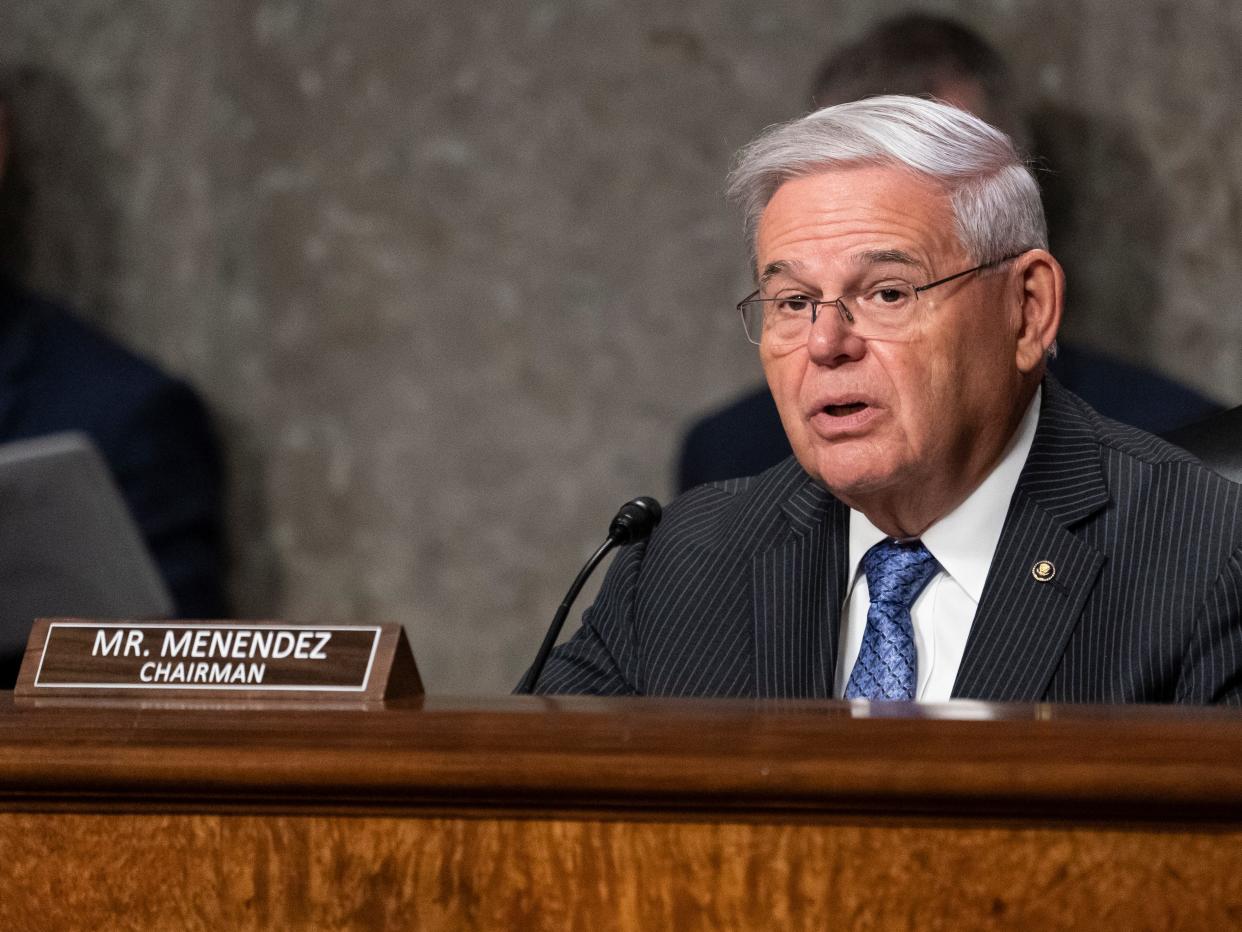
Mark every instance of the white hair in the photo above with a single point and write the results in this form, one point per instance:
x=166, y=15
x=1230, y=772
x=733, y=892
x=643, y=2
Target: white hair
x=996, y=206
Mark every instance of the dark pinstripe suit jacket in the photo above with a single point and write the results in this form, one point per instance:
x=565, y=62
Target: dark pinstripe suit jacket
x=739, y=591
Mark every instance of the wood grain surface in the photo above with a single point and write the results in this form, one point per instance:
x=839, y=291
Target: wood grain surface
x=248, y=872
x=528, y=813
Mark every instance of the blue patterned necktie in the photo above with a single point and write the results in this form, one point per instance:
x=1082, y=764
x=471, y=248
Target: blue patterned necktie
x=888, y=665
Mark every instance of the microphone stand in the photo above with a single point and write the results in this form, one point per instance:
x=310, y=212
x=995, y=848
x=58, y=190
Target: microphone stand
x=527, y=686
x=634, y=522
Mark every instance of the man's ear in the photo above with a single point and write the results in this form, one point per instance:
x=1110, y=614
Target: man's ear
x=1038, y=289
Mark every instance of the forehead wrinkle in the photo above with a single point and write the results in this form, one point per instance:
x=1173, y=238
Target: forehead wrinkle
x=812, y=222
x=820, y=229
x=867, y=259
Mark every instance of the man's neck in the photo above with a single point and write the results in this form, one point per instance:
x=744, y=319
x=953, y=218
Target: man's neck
x=902, y=515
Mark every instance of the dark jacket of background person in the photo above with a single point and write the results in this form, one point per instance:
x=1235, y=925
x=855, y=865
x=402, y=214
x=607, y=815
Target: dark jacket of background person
x=57, y=374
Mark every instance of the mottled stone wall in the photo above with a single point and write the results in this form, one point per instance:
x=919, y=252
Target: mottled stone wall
x=453, y=277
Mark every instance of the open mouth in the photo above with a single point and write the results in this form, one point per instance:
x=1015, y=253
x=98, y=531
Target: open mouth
x=844, y=410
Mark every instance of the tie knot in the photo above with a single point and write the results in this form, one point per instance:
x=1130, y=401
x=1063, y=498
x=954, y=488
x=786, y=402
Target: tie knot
x=897, y=571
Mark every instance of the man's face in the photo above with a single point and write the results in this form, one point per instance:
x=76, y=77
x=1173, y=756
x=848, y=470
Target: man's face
x=901, y=428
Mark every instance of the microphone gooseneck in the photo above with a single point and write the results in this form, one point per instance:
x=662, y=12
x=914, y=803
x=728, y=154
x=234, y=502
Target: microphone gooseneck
x=633, y=523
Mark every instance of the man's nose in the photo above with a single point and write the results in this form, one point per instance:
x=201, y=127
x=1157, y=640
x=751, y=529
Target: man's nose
x=832, y=340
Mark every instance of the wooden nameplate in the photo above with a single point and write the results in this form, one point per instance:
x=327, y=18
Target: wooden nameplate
x=219, y=660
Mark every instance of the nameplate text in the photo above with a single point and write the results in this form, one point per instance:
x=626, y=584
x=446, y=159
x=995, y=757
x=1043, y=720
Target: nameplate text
x=83, y=657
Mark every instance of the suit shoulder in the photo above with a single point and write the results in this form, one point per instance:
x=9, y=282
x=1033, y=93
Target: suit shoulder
x=1140, y=447
x=1128, y=392
x=730, y=510
x=1171, y=472
x=1123, y=440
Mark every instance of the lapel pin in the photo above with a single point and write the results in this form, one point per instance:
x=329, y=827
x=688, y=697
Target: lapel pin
x=1043, y=571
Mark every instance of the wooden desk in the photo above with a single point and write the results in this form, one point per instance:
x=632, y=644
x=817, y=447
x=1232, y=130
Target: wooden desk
x=528, y=813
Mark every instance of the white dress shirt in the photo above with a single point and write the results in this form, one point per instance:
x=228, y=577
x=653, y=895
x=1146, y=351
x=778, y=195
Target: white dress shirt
x=963, y=543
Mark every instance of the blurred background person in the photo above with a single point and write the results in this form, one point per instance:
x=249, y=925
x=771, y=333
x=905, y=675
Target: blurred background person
x=57, y=373
x=932, y=56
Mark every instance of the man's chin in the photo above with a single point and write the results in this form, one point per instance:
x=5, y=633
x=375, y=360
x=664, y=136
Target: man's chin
x=849, y=469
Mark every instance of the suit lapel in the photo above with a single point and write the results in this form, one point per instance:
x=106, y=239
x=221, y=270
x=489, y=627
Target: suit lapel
x=798, y=584
x=1025, y=617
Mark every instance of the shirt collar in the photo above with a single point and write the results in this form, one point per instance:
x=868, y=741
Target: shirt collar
x=964, y=541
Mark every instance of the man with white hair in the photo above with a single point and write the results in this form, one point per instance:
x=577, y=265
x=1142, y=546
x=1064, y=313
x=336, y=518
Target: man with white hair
x=953, y=523
x=927, y=55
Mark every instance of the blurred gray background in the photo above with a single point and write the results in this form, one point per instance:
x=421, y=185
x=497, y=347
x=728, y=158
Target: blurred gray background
x=453, y=277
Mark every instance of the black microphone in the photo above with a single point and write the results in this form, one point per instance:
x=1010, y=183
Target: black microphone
x=632, y=523
x=635, y=520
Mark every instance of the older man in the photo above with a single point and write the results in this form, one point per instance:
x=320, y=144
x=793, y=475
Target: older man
x=926, y=55
x=953, y=523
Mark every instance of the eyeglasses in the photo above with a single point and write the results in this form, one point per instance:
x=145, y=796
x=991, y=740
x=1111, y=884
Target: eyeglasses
x=884, y=309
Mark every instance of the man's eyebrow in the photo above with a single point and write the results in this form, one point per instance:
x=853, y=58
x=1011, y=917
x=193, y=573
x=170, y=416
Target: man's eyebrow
x=772, y=269
x=888, y=257
x=862, y=260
